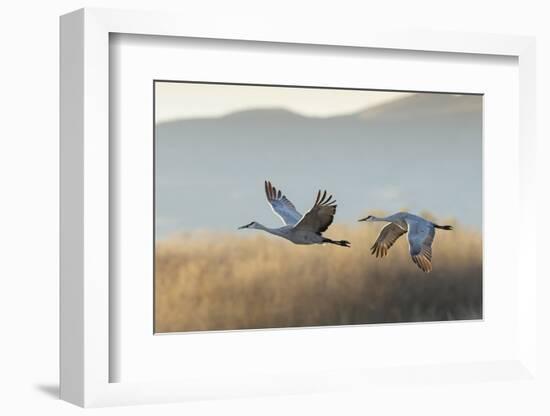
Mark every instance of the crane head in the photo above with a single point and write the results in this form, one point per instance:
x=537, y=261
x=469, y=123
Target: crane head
x=251, y=225
x=370, y=217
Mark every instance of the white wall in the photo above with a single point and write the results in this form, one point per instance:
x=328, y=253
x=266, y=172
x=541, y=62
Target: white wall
x=29, y=172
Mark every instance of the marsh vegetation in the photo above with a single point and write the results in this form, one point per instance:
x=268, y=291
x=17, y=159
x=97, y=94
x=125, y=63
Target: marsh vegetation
x=217, y=281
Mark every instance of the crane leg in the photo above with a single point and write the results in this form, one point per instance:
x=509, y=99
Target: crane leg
x=343, y=243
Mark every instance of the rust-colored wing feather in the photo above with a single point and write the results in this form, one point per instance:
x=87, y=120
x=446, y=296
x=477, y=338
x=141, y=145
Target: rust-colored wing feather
x=420, y=247
x=388, y=235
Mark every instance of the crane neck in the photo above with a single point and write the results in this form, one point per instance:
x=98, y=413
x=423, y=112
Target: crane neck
x=381, y=219
x=274, y=231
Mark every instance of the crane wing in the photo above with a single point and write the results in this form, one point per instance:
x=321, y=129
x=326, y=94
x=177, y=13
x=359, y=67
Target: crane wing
x=421, y=237
x=281, y=205
x=388, y=235
x=320, y=216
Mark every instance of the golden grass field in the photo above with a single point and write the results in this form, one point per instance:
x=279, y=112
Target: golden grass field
x=214, y=281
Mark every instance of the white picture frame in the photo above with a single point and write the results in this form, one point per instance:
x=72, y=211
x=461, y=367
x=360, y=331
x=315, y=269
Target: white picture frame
x=85, y=207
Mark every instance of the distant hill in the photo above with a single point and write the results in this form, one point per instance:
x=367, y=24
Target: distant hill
x=424, y=105
x=423, y=151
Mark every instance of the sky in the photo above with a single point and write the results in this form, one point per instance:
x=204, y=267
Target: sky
x=177, y=100
x=418, y=151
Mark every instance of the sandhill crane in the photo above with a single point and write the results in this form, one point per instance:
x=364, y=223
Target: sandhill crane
x=300, y=229
x=421, y=236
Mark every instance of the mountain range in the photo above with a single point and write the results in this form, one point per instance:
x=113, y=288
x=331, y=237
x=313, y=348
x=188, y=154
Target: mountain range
x=420, y=152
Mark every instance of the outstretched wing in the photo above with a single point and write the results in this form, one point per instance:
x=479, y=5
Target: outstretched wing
x=281, y=205
x=388, y=235
x=421, y=237
x=320, y=216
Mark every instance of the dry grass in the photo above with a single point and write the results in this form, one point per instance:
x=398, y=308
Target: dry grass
x=217, y=281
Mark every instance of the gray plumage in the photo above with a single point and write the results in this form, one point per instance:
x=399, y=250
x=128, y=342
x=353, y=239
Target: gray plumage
x=421, y=233
x=298, y=228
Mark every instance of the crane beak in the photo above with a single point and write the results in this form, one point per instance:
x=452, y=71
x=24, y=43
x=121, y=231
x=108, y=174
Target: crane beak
x=364, y=219
x=244, y=226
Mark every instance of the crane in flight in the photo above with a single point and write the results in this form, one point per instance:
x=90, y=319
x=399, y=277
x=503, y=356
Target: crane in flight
x=421, y=236
x=306, y=229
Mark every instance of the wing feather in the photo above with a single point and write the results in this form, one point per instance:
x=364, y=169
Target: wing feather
x=387, y=237
x=281, y=205
x=320, y=216
x=421, y=237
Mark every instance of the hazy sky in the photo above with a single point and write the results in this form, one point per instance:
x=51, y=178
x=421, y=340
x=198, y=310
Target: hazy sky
x=185, y=100
x=417, y=152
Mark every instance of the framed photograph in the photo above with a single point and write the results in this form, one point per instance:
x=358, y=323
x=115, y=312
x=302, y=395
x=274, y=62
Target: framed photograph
x=377, y=148
x=256, y=212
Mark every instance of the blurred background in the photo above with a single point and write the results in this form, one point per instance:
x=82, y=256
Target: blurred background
x=377, y=152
